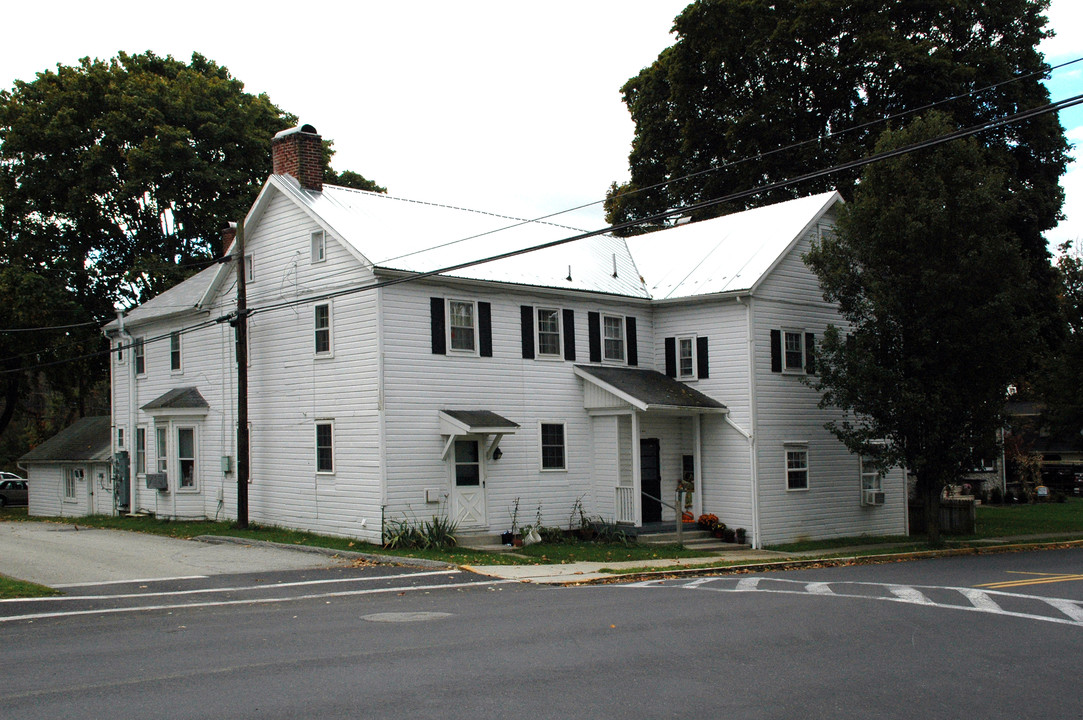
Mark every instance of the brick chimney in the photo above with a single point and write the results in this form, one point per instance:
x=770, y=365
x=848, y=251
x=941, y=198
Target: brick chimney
x=299, y=152
x=229, y=234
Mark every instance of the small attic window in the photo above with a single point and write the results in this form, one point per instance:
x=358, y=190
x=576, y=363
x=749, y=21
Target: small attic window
x=319, y=247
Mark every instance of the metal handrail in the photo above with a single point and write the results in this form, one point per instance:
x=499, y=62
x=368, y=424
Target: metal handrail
x=679, y=513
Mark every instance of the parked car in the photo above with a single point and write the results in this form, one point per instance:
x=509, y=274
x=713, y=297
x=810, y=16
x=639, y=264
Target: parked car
x=12, y=492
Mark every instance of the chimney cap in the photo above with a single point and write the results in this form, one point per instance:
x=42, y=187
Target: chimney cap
x=306, y=128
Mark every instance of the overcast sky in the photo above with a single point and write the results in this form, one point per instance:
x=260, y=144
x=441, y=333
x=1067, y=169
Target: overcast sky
x=504, y=106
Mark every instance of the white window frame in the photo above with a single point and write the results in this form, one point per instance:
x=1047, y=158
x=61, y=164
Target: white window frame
x=161, y=448
x=182, y=460
x=72, y=477
x=607, y=339
x=316, y=444
x=563, y=446
x=800, y=335
x=120, y=353
x=120, y=437
x=318, y=247
x=693, y=372
x=796, y=449
x=559, y=332
x=139, y=356
x=249, y=268
x=329, y=330
x=473, y=350
x=871, y=479
x=140, y=450
x=176, y=353
x=478, y=463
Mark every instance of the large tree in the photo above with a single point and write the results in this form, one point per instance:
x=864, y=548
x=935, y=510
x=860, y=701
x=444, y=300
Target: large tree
x=931, y=277
x=747, y=78
x=116, y=179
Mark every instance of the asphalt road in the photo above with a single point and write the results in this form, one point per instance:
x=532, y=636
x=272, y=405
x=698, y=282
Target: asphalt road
x=989, y=636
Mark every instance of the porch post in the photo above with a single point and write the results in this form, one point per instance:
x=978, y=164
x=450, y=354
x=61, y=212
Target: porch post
x=697, y=464
x=637, y=474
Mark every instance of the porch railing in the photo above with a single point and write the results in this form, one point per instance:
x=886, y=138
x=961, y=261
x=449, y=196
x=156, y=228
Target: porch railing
x=626, y=504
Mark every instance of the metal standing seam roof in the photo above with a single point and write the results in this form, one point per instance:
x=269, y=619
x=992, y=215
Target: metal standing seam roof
x=183, y=296
x=652, y=389
x=407, y=235
x=725, y=254
x=86, y=440
x=474, y=420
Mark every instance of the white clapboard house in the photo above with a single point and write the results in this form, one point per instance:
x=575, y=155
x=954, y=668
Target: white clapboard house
x=594, y=374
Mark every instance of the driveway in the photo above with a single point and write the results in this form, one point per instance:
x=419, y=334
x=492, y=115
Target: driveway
x=59, y=555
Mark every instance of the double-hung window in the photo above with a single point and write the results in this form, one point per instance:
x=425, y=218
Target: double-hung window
x=794, y=351
x=548, y=332
x=139, y=354
x=175, y=352
x=325, y=446
x=613, y=338
x=161, y=448
x=186, y=456
x=870, y=476
x=462, y=323
x=686, y=358
x=322, y=329
x=249, y=268
x=140, y=451
x=796, y=467
x=553, y=456
x=72, y=477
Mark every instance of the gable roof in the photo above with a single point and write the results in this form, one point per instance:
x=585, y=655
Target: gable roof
x=397, y=234
x=87, y=439
x=183, y=398
x=727, y=254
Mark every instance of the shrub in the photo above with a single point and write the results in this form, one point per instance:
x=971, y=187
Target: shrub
x=404, y=534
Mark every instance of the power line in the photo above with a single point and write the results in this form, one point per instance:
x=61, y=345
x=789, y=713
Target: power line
x=411, y=277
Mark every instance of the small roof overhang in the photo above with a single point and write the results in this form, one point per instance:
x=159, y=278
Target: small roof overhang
x=178, y=401
x=86, y=440
x=649, y=390
x=457, y=423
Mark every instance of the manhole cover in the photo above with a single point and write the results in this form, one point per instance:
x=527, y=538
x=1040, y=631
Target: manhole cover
x=400, y=617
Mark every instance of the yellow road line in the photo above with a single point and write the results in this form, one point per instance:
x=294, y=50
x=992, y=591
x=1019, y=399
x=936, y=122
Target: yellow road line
x=1043, y=578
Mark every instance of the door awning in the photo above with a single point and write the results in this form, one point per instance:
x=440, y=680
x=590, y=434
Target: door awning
x=645, y=390
x=178, y=401
x=456, y=423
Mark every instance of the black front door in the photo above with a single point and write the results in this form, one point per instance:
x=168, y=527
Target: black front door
x=650, y=470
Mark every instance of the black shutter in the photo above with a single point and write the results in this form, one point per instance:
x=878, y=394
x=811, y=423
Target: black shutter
x=671, y=357
x=810, y=353
x=569, y=335
x=704, y=369
x=594, y=336
x=527, y=314
x=439, y=334
x=485, y=325
x=776, y=351
x=633, y=345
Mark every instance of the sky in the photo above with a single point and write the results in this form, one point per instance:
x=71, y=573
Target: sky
x=509, y=107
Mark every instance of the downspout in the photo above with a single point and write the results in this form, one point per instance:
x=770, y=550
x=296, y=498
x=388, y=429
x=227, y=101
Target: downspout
x=129, y=341
x=754, y=484
x=381, y=411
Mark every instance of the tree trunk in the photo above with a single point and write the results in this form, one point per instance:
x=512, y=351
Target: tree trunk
x=931, y=500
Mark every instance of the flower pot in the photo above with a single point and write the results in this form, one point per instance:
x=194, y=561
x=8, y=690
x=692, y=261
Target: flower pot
x=517, y=541
x=506, y=538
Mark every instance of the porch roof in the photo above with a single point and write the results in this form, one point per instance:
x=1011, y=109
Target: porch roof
x=649, y=389
x=475, y=422
x=183, y=400
x=88, y=439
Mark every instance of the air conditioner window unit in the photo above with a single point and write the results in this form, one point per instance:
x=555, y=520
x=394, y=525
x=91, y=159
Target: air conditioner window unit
x=157, y=481
x=872, y=497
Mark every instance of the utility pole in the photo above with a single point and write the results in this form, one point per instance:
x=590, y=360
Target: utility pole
x=241, y=325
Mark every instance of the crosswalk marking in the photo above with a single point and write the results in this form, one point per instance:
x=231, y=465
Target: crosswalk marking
x=969, y=599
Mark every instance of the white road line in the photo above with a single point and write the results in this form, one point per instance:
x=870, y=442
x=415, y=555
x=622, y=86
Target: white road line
x=65, y=586
x=747, y=584
x=819, y=588
x=240, y=588
x=1071, y=608
x=981, y=600
x=262, y=601
x=700, y=581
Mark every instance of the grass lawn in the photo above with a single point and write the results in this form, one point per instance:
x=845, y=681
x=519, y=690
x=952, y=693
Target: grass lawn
x=1000, y=520
x=12, y=588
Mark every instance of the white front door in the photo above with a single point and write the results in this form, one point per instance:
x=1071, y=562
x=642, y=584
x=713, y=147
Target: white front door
x=468, y=484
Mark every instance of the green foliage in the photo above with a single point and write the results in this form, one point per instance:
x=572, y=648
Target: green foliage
x=1059, y=381
x=439, y=532
x=933, y=285
x=745, y=78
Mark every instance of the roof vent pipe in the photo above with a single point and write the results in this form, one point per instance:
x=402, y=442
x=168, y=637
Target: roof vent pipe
x=614, y=264
x=569, y=278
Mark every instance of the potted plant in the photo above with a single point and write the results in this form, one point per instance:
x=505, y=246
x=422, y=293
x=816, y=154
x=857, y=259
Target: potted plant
x=741, y=536
x=729, y=535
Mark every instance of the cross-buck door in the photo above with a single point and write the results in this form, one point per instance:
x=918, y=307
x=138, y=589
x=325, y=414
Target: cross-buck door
x=468, y=480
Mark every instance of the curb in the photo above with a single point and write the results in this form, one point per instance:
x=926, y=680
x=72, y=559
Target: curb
x=784, y=565
x=314, y=550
